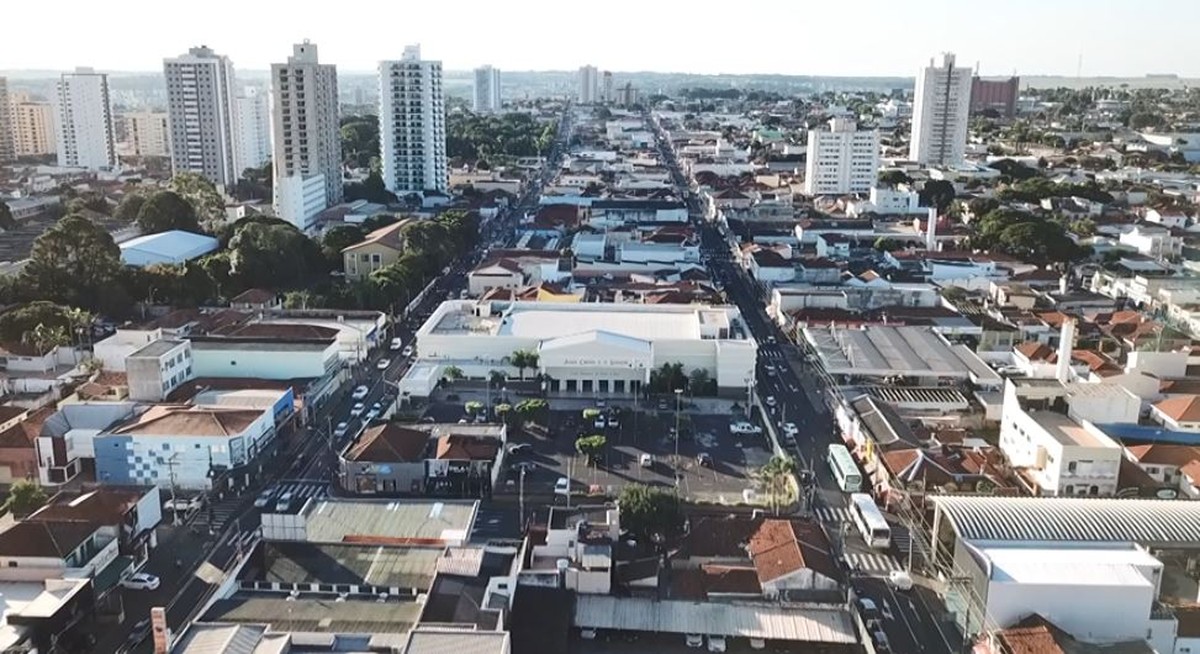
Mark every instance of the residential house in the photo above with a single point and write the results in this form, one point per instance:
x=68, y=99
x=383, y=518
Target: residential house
x=385, y=458
x=582, y=538
x=1178, y=413
x=379, y=249
x=424, y=458
x=66, y=437
x=499, y=273
x=132, y=513
x=1175, y=466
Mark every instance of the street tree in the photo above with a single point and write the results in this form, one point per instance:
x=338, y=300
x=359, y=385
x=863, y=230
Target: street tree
x=650, y=513
x=937, y=193
x=7, y=221
x=165, y=211
x=200, y=192
x=452, y=373
x=777, y=482
x=130, y=205
x=522, y=359
x=591, y=446
x=24, y=497
x=74, y=262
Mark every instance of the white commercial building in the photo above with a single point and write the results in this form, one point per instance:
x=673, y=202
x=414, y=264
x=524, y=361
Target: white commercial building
x=252, y=131
x=591, y=348
x=306, y=136
x=589, y=85
x=412, y=124
x=7, y=151
x=157, y=369
x=200, y=101
x=33, y=126
x=487, y=90
x=85, y=121
x=940, y=113
x=842, y=159
x=166, y=248
x=147, y=134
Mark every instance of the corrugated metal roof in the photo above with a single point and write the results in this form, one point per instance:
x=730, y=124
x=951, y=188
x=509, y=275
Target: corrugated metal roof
x=747, y=621
x=1174, y=523
x=449, y=641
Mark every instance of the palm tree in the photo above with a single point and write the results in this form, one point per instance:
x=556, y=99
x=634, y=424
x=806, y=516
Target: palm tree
x=523, y=359
x=452, y=373
x=776, y=479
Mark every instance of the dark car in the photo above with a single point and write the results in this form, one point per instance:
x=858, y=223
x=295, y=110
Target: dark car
x=139, y=633
x=705, y=459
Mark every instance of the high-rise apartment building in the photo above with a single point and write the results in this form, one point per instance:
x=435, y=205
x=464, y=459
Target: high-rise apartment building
x=7, y=151
x=85, y=121
x=305, y=135
x=842, y=159
x=606, y=92
x=487, y=90
x=412, y=124
x=941, y=110
x=33, y=127
x=252, y=130
x=589, y=85
x=200, y=101
x=147, y=134
x=999, y=95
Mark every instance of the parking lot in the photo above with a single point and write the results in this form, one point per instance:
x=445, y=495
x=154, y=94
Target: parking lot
x=719, y=476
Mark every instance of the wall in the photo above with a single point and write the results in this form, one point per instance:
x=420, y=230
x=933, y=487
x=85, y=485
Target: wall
x=1097, y=612
x=112, y=351
x=368, y=478
x=243, y=361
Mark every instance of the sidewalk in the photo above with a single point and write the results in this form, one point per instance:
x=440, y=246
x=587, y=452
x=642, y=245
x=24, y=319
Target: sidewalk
x=576, y=401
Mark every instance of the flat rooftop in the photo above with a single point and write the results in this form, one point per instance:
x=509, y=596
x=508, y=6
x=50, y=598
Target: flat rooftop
x=769, y=621
x=882, y=351
x=396, y=522
x=157, y=348
x=389, y=567
x=1066, y=431
x=316, y=615
x=1070, y=565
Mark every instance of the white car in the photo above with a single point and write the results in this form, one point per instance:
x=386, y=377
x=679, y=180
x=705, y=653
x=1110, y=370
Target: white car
x=284, y=502
x=600, y=422
x=744, y=428
x=562, y=486
x=646, y=460
x=264, y=498
x=396, y=344
x=900, y=580
x=407, y=351
x=360, y=392
x=693, y=640
x=357, y=409
x=141, y=581
x=790, y=429
x=770, y=401
x=716, y=643
x=341, y=429
x=383, y=364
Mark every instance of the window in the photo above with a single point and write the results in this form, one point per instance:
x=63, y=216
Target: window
x=1069, y=490
x=1071, y=466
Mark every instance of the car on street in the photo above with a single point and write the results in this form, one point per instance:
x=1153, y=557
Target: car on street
x=264, y=498
x=744, y=428
x=693, y=640
x=601, y=403
x=357, y=409
x=139, y=633
x=562, y=486
x=662, y=405
x=869, y=611
x=614, y=421
x=141, y=581
x=704, y=459
x=407, y=351
x=360, y=392
x=383, y=364
x=519, y=448
x=716, y=643
x=396, y=344
x=284, y=502
x=790, y=429
x=900, y=580
x=646, y=460
x=376, y=409
x=340, y=430
x=600, y=422
x=770, y=401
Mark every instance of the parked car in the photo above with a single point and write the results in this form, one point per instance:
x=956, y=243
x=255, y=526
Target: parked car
x=900, y=580
x=716, y=643
x=407, y=351
x=704, y=459
x=139, y=633
x=562, y=486
x=662, y=406
x=284, y=502
x=357, y=409
x=396, y=344
x=744, y=428
x=869, y=611
x=600, y=422
x=519, y=448
x=376, y=409
x=360, y=392
x=770, y=401
x=790, y=429
x=383, y=364
x=141, y=581
x=614, y=421
x=693, y=640
x=264, y=498
x=341, y=429
x=601, y=403
x=646, y=460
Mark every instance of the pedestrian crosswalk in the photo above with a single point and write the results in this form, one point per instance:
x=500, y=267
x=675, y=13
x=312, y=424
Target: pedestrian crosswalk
x=872, y=562
x=833, y=514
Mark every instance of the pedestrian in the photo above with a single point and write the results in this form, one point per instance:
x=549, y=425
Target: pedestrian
x=178, y=563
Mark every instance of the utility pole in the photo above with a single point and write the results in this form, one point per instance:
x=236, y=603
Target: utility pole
x=521, y=498
x=678, y=398
x=174, y=507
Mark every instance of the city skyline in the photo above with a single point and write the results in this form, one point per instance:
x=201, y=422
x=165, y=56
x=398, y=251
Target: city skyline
x=883, y=45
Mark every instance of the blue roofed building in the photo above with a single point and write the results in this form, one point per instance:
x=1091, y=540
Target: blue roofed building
x=176, y=246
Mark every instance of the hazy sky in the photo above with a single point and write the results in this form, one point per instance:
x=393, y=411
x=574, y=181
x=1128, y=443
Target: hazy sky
x=847, y=37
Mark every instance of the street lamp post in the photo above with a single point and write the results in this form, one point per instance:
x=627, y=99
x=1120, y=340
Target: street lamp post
x=678, y=398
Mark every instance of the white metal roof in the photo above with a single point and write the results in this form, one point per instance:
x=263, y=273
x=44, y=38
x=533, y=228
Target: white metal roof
x=744, y=620
x=1163, y=523
x=1086, y=566
x=547, y=323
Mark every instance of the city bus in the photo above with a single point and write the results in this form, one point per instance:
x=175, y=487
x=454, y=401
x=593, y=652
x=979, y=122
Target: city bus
x=845, y=470
x=870, y=521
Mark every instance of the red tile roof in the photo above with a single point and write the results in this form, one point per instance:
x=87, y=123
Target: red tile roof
x=1182, y=408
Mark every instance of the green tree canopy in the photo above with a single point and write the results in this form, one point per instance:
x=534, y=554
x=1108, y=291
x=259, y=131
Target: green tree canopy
x=338, y=239
x=165, y=211
x=1024, y=235
x=130, y=205
x=6, y=218
x=273, y=255
x=937, y=193
x=75, y=262
x=203, y=196
x=894, y=177
x=650, y=513
x=360, y=140
x=591, y=446
x=24, y=497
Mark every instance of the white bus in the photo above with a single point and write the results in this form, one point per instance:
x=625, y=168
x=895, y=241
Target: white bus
x=845, y=470
x=870, y=521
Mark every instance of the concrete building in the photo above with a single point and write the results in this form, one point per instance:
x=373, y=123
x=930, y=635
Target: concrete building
x=268, y=351
x=157, y=369
x=147, y=134
x=252, y=131
x=306, y=136
x=380, y=248
x=200, y=101
x=589, y=348
x=7, y=150
x=842, y=159
x=589, y=85
x=999, y=95
x=85, y=121
x=412, y=124
x=392, y=459
x=606, y=87
x=486, y=96
x=940, y=113
x=33, y=126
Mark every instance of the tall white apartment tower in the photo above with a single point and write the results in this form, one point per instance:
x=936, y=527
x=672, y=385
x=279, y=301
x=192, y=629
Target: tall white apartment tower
x=251, y=130
x=305, y=137
x=85, y=121
x=200, y=102
x=487, y=90
x=7, y=151
x=412, y=124
x=940, y=113
x=842, y=159
x=147, y=134
x=589, y=85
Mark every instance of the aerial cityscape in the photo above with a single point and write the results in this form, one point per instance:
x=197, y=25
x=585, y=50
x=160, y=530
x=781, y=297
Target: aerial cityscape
x=503, y=358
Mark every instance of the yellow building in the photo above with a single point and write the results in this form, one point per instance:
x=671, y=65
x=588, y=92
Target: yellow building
x=32, y=126
x=381, y=248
